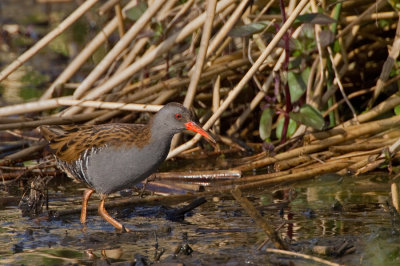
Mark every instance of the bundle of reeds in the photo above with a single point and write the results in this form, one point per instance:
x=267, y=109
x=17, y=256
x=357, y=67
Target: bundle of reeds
x=316, y=81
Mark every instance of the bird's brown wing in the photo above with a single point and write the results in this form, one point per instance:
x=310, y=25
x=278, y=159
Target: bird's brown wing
x=68, y=142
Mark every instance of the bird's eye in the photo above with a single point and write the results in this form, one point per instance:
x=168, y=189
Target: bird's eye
x=178, y=116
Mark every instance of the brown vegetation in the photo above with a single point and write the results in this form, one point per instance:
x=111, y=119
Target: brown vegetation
x=231, y=61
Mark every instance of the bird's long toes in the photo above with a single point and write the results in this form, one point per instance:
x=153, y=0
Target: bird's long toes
x=125, y=229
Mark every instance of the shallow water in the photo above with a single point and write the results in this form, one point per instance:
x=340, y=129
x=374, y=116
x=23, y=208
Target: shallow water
x=326, y=211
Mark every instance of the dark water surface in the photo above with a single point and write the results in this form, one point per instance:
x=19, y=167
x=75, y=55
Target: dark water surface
x=326, y=211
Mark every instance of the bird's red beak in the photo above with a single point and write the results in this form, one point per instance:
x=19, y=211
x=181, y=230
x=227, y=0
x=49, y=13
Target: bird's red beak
x=194, y=127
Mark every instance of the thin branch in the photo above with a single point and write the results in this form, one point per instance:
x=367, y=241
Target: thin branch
x=337, y=78
x=262, y=222
x=296, y=254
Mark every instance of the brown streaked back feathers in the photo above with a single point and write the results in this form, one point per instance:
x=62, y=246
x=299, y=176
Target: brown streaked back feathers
x=68, y=142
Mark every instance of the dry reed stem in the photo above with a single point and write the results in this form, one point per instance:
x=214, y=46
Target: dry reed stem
x=232, y=95
x=80, y=59
x=344, y=19
x=133, y=53
x=339, y=83
x=294, y=162
x=388, y=65
x=197, y=175
x=220, y=36
x=156, y=104
x=31, y=106
x=394, y=188
x=304, y=256
x=201, y=56
x=215, y=102
x=370, y=166
x=374, y=7
x=379, y=109
x=67, y=101
x=120, y=18
x=359, y=164
x=118, y=48
x=363, y=146
x=253, y=105
x=107, y=6
x=373, y=16
x=348, y=133
x=260, y=95
x=350, y=96
x=221, y=186
x=165, y=10
x=317, y=30
x=307, y=173
x=393, y=148
x=222, y=69
x=179, y=15
x=80, y=11
x=111, y=105
x=304, y=170
x=149, y=57
x=41, y=105
x=27, y=152
x=52, y=121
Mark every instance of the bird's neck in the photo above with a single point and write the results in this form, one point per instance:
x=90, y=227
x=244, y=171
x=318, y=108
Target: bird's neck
x=160, y=130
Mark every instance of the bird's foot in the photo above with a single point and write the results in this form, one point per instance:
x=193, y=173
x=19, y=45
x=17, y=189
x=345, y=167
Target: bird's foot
x=84, y=228
x=125, y=230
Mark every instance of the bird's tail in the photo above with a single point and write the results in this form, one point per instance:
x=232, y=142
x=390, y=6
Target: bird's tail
x=51, y=132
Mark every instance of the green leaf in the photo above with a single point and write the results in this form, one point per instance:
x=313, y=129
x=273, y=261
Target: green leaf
x=30, y=163
x=291, y=128
x=316, y=18
x=137, y=11
x=266, y=124
x=336, y=46
x=32, y=81
x=249, y=29
x=397, y=110
x=308, y=116
x=298, y=84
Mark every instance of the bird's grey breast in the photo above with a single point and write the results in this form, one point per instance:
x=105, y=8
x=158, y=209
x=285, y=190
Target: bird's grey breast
x=111, y=169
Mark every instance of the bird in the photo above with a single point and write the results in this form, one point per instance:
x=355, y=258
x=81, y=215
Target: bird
x=111, y=157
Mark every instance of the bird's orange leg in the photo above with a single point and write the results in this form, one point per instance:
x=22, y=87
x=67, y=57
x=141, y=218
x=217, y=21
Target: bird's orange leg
x=86, y=195
x=108, y=218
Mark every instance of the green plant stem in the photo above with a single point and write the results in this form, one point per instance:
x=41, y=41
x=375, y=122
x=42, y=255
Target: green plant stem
x=285, y=68
x=331, y=75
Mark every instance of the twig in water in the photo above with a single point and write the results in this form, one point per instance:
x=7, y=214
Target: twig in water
x=309, y=257
x=261, y=221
